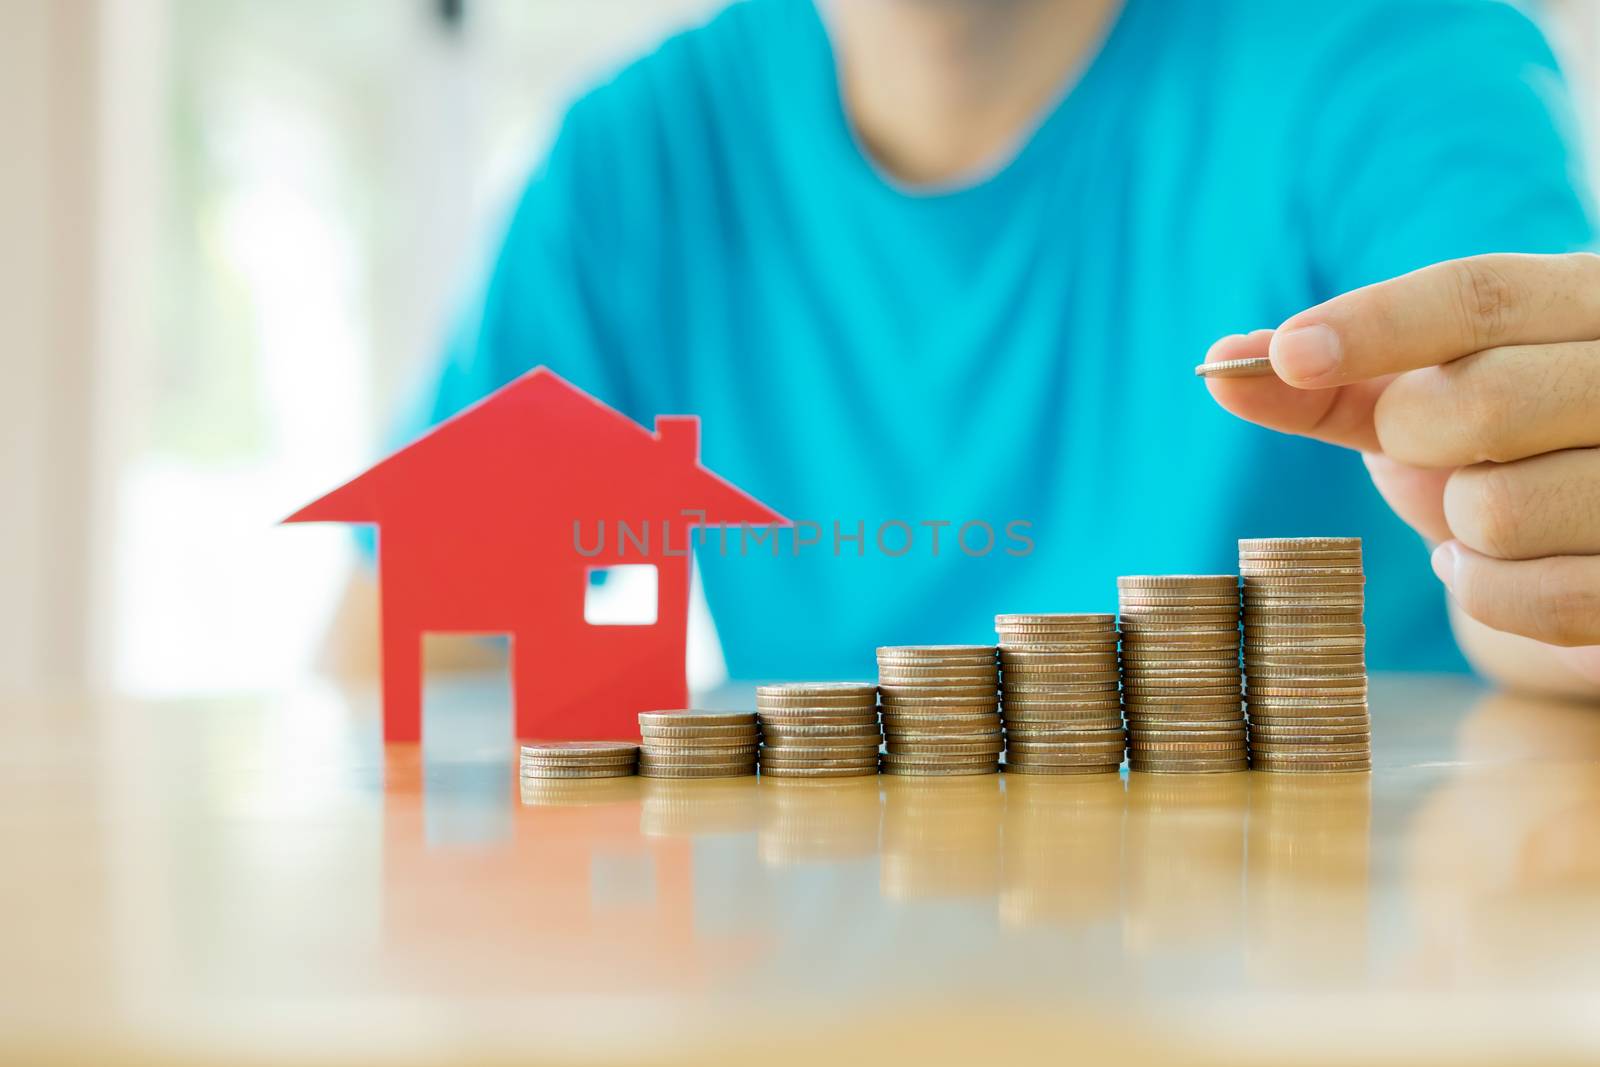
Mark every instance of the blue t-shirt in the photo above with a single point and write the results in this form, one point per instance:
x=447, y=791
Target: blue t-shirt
x=707, y=236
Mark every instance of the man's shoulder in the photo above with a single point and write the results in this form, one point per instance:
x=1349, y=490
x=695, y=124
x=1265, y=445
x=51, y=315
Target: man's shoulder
x=718, y=65
x=1316, y=25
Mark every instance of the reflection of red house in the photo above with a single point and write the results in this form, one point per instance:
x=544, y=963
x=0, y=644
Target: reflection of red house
x=479, y=526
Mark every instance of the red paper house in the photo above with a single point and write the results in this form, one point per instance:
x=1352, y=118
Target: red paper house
x=493, y=522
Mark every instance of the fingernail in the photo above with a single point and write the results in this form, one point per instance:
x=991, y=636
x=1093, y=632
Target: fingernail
x=1444, y=563
x=1305, y=354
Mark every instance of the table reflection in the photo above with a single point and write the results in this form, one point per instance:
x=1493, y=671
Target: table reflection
x=1185, y=843
x=1307, y=878
x=1501, y=870
x=941, y=836
x=1063, y=860
x=1245, y=880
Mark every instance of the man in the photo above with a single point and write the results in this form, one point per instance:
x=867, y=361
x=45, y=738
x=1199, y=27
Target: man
x=950, y=261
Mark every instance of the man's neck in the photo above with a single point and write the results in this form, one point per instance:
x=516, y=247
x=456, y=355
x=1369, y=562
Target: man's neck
x=937, y=90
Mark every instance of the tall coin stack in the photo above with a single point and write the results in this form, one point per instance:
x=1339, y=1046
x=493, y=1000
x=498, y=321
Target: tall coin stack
x=941, y=709
x=1180, y=672
x=1059, y=696
x=1305, y=654
x=818, y=729
x=698, y=744
x=579, y=759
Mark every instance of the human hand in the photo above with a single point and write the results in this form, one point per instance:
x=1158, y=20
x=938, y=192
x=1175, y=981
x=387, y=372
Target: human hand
x=1472, y=390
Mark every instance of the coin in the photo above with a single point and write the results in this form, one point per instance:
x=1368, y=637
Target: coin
x=1173, y=702
x=699, y=731
x=1254, y=367
x=1359, y=746
x=1185, y=582
x=868, y=760
x=1093, y=757
x=713, y=770
x=1054, y=736
x=937, y=771
x=1188, y=731
x=619, y=770
x=1309, y=670
x=974, y=674
x=819, y=720
x=1290, y=732
x=1187, y=766
x=1063, y=768
x=933, y=651
x=781, y=732
x=580, y=749
x=1309, y=722
x=680, y=744
x=829, y=751
x=770, y=771
x=904, y=747
x=693, y=717
x=696, y=755
x=1175, y=597
x=1029, y=748
x=1091, y=620
x=923, y=705
x=935, y=716
x=902, y=693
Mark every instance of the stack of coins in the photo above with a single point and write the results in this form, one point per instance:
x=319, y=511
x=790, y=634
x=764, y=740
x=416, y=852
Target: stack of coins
x=1305, y=654
x=941, y=709
x=1058, y=693
x=1180, y=672
x=818, y=729
x=698, y=744
x=579, y=759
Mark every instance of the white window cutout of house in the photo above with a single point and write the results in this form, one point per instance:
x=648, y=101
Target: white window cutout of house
x=621, y=595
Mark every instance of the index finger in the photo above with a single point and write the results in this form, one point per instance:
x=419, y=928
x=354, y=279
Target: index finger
x=1438, y=314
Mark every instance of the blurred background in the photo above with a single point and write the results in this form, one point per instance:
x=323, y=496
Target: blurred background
x=233, y=233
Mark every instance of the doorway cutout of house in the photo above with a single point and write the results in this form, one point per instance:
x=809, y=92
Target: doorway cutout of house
x=468, y=708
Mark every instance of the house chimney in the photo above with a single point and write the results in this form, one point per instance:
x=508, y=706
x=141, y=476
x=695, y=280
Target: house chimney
x=680, y=436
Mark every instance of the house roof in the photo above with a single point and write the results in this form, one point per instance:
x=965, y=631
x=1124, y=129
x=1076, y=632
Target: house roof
x=540, y=406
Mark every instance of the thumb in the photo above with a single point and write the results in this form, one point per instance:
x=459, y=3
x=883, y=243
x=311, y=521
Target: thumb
x=1341, y=416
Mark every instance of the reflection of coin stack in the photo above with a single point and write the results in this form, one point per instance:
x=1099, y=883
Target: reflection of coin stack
x=697, y=744
x=1059, y=695
x=812, y=822
x=1184, y=849
x=1180, y=672
x=685, y=807
x=579, y=759
x=1308, y=877
x=818, y=729
x=941, y=837
x=578, y=792
x=1305, y=654
x=941, y=709
x=1063, y=852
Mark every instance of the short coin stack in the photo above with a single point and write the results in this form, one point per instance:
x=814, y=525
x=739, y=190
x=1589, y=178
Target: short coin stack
x=1059, y=693
x=818, y=729
x=579, y=759
x=1180, y=672
x=1305, y=654
x=698, y=744
x=941, y=709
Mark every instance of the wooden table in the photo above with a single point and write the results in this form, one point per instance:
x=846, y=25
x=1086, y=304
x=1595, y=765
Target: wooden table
x=259, y=881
